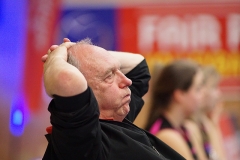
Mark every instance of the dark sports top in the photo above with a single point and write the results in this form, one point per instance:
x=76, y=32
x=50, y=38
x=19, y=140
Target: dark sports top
x=162, y=123
x=206, y=142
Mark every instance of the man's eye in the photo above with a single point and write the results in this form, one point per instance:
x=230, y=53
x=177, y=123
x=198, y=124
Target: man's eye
x=109, y=76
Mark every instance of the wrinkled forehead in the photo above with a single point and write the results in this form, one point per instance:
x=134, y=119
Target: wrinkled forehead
x=101, y=57
x=95, y=60
x=105, y=64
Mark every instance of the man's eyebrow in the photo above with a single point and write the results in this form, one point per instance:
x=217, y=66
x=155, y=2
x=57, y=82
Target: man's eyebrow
x=109, y=70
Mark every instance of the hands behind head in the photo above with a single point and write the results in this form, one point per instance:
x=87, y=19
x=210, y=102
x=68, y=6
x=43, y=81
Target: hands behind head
x=66, y=43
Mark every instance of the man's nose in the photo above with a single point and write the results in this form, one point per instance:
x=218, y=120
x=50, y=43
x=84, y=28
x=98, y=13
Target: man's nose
x=125, y=82
x=128, y=81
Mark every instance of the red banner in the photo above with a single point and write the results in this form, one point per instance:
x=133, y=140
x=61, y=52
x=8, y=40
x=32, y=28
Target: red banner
x=43, y=15
x=208, y=33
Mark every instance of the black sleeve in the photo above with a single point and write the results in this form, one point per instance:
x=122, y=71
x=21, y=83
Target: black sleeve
x=76, y=132
x=140, y=77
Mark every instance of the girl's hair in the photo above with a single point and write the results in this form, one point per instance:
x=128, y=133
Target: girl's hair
x=178, y=74
x=209, y=72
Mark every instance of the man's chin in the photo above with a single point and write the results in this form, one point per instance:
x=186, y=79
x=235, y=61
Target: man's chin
x=126, y=110
x=123, y=111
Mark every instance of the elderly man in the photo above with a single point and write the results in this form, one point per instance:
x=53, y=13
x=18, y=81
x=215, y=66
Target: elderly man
x=97, y=94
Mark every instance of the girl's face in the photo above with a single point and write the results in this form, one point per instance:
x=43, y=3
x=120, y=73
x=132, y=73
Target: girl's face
x=192, y=98
x=211, y=94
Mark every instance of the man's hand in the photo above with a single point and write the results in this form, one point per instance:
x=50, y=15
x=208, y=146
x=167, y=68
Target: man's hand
x=53, y=47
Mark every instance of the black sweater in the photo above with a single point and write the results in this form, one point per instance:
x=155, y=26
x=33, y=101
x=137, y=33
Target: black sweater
x=78, y=134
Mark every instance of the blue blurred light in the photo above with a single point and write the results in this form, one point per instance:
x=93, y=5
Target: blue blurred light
x=17, y=117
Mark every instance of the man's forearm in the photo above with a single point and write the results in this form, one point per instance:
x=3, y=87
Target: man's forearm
x=128, y=60
x=64, y=81
x=61, y=78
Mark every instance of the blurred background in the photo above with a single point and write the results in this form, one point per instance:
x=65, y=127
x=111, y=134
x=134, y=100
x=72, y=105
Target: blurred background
x=207, y=31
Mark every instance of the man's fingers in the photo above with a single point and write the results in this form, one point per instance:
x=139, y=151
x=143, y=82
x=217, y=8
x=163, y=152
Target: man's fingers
x=66, y=40
x=67, y=44
x=52, y=48
x=44, y=58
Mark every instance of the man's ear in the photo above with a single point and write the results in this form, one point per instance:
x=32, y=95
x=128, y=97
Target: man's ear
x=179, y=95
